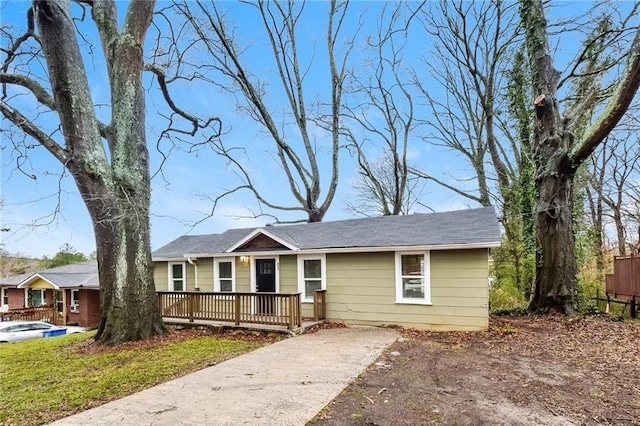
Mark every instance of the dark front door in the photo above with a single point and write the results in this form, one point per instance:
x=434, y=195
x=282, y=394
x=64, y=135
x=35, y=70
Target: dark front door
x=266, y=283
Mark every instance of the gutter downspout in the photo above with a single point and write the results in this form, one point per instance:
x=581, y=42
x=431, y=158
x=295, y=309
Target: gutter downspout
x=194, y=262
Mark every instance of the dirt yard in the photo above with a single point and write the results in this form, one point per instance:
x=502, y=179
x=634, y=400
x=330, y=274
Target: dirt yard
x=540, y=370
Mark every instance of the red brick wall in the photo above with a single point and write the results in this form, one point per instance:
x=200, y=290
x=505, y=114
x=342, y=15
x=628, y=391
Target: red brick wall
x=16, y=297
x=91, y=299
x=89, y=309
x=48, y=297
x=73, y=318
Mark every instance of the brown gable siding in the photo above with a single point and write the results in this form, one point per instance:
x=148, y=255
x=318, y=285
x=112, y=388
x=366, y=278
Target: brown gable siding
x=260, y=242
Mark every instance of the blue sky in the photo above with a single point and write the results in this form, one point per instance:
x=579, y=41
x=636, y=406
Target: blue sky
x=29, y=205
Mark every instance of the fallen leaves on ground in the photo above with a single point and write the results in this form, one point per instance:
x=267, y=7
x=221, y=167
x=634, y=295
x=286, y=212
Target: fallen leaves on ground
x=538, y=369
x=176, y=335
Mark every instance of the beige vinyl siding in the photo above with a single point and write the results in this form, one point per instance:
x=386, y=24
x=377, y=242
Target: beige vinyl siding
x=243, y=276
x=289, y=280
x=288, y=274
x=361, y=289
x=161, y=276
x=205, y=274
x=190, y=276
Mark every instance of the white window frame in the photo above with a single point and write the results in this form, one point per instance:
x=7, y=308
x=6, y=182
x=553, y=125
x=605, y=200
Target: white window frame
x=5, y=295
x=426, y=300
x=59, y=300
x=184, y=275
x=75, y=295
x=216, y=273
x=42, y=293
x=301, y=279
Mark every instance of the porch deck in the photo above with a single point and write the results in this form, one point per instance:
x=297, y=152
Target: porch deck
x=306, y=324
x=277, y=312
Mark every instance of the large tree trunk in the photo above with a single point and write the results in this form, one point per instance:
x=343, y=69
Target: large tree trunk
x=558, y=156
x=116, y=193
x=556, y=265
x=128, y=301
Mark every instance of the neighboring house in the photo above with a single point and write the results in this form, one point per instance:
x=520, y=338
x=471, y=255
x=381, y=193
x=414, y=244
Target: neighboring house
x=428, y=271
x=73, y=289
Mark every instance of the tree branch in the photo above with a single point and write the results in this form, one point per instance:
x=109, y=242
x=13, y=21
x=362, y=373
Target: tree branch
x=195, y=121
x=615, y=109
x=423, y=175
x=32, y=130
x=34, y=87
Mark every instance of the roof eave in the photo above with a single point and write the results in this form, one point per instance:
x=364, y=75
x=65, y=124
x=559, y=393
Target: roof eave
x=32, y=278
x=460, y=246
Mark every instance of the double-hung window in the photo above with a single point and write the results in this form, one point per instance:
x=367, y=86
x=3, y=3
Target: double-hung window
x=37, y=297
x=312, y=275
x=177, y=277
x=224, y=272
x=75, y=299
x=59, y=301
x=5, y=296
x=413, y=284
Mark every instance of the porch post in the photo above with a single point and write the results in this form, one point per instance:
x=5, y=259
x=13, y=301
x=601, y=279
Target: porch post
x=190, y=306
x=315, y=305
x=64, y=307
x=237, y=308
x=291, y=312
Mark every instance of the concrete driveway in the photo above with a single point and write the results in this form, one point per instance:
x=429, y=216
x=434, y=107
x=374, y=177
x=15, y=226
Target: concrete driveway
x=286, y=383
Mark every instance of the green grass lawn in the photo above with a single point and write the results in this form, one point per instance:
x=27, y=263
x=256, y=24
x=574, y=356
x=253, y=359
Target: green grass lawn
x=46, y=379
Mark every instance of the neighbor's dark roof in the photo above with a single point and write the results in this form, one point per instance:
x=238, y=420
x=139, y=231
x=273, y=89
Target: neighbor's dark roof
x=462, y=227
x=83, y=274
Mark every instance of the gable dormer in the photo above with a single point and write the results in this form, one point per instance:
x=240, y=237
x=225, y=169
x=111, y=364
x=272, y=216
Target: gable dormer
x=261, y=240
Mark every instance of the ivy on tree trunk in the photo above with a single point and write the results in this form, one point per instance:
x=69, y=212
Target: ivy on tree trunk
x=558, y=153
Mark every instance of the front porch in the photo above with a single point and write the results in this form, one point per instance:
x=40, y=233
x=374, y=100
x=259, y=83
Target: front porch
x=45, y=313
x=278, y=312
x=223, y=325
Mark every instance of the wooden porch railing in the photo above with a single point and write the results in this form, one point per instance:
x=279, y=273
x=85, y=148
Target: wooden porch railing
x=319, y=305
x=47, y=313
x=255, y=308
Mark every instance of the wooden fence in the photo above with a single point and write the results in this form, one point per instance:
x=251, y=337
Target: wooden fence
x=254, y=308
x=624, y=283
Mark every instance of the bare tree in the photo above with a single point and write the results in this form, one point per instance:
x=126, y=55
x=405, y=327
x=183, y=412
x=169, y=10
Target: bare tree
x=632, y=211
x=108, y=161
x=379, y=114
x=376, y=191
x=298, y=152
x=480, y=112
x=468, y=61
x=613, y=167
x=559, y=150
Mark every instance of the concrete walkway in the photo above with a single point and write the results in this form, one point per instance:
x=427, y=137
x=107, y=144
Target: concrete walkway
x=286, y=383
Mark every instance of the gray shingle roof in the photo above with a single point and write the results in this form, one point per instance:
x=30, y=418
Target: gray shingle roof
x=83, y=274
x=463, y=227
